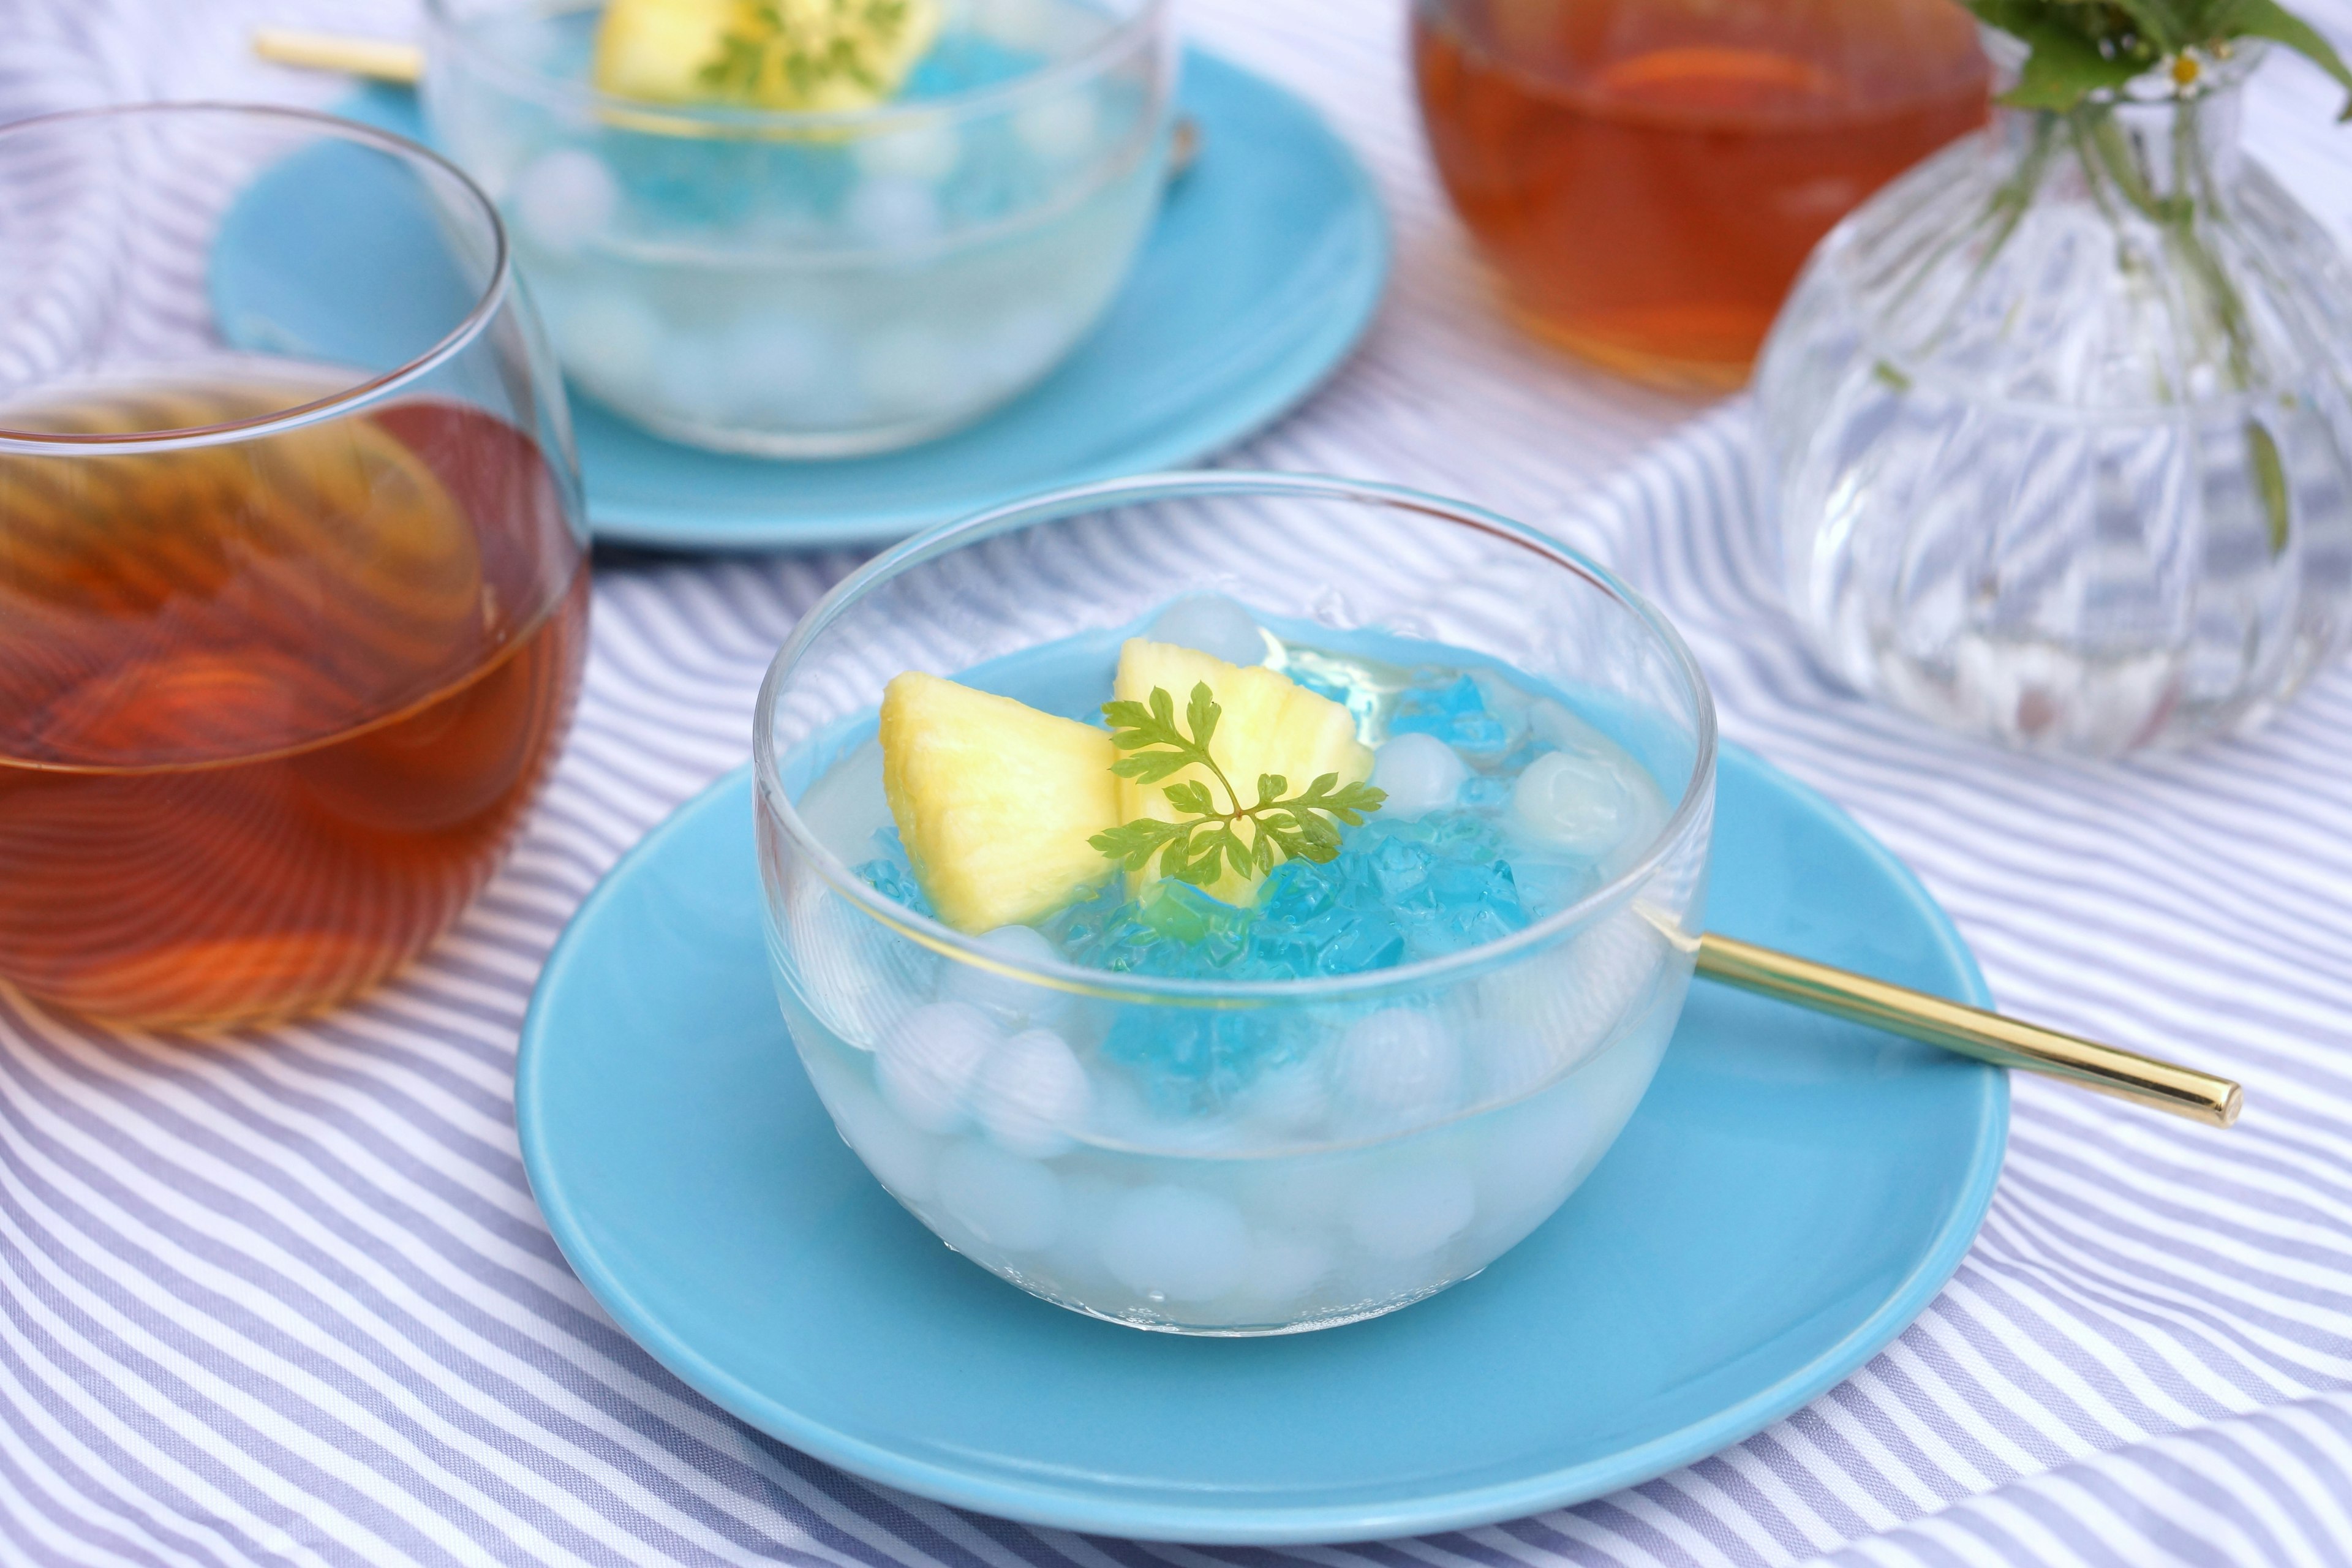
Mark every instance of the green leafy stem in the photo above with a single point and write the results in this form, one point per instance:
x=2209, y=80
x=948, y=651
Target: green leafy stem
x=1305, y=826
x=2081, y=47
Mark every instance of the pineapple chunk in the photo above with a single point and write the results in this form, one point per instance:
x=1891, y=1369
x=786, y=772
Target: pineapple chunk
x=994, y=800
x=1270, y=724
x=796, y=55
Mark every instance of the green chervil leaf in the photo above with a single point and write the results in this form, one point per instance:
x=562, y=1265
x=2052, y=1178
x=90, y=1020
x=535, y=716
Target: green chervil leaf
x=1302, y=827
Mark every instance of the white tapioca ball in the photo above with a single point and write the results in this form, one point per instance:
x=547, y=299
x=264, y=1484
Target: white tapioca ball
x=907, y=371
x=846, y=968
x=688, y=383
x=779, y=361
x=1058, y=129
x=928, y=150
x=1288, y=1101
x=1307, y=1192
x=1176, y=1244
x=1395, y=1066
x=564, y=199
x=1007, y=996
x=1588, y=804
x=893, y=213
x=900, y=1158
x=1410, y=1209
x=1552, y=1010
x=1006, y=1202
x=925, y=1063
x=608, y=338
x=1284, y=1267
x=1022, y=25
x=1016, y=349
x=1526, y=1156
x=1212, y=624
x=1420, y=773
x=1031, y=1095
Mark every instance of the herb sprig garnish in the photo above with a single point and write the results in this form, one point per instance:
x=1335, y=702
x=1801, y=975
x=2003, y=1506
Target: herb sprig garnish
x=797, y=46
x=2081, y=47
x=1305, y=826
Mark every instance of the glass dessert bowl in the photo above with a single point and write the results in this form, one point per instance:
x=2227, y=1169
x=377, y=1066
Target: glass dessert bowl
x=817, y=282
x=1225, y=1089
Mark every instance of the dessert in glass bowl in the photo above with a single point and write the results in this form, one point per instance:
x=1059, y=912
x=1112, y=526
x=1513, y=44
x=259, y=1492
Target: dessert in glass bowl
x=1233, y=903
x=811, y=250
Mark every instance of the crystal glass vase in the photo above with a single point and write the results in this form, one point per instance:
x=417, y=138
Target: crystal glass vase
x=2060, y=433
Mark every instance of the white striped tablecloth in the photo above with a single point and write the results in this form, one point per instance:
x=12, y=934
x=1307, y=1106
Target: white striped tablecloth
x=288, y=1301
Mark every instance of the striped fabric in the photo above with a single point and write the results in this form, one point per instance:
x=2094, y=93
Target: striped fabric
x=286, y=1299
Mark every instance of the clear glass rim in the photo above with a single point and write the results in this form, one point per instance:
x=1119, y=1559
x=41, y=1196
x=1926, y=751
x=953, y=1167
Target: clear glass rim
x=1078, y=980
x=491, y=300
x=447, y=30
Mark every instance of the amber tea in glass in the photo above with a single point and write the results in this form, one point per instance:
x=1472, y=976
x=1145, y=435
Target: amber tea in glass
x=1647, y=176
x=287, y=646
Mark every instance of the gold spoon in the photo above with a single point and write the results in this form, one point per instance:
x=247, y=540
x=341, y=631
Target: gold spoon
x=1971, y=1031
x=381, y=60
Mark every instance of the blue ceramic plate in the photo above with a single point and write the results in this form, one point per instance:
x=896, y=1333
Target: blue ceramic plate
x=1790, y=1194
x=1263, y=270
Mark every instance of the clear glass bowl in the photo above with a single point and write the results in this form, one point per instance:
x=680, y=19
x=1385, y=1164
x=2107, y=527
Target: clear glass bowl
x=818, y=284
x=2062, y=426
x=289, y=642
x=1277, y=1208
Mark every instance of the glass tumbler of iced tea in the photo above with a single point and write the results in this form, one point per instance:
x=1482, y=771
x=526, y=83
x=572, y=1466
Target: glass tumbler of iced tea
x=1646, y=176
x=293, y=599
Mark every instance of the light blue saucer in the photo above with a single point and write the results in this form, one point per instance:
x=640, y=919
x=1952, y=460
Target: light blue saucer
x=1264, y=269
x=1790, y=1194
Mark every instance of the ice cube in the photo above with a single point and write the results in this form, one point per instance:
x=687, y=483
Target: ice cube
x=1031, y=1095
x=1176, y=1244
x=1213, y=625
x=926, y=1062
x=564, y=199
x=1007, y=1203
x=1420, y=773
x=1592, y=804
x=1399, y=1065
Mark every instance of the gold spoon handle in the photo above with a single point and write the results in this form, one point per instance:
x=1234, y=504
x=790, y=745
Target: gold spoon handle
x=380, y=59
x=1970, y=1031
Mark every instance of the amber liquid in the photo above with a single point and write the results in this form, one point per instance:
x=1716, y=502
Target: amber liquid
x=1648, y=175
x=270, y=710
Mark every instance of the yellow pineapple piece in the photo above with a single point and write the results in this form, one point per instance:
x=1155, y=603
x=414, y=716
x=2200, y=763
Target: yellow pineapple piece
x=994, y=800
x=795, y=55
x=1270, y=724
